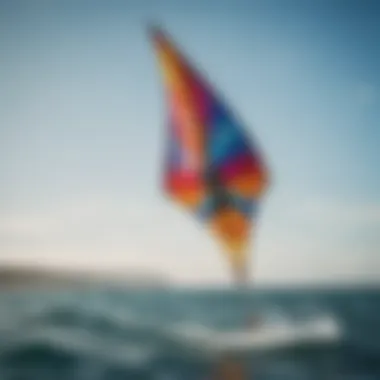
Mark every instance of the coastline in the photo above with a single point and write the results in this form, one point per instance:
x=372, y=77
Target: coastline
x=32, y=276
x=21, y=277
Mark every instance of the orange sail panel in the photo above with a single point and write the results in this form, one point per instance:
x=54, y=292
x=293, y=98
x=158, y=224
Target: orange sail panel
x=211, y=167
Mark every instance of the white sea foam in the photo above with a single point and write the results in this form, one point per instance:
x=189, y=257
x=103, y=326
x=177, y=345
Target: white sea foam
x=321, y=329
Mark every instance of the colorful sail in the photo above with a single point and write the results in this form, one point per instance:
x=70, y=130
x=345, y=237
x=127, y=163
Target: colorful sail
x=211, y=167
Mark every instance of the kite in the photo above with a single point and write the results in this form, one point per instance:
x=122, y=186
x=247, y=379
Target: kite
x=211, y=166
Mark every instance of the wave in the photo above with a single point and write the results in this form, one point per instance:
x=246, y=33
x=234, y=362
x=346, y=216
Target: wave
x=55, y=345
x=323, y=329
x=115, y=336
x=127, y=328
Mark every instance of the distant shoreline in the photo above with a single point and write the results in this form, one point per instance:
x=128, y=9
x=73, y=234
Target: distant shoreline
x=21, y=277
x=12, y=277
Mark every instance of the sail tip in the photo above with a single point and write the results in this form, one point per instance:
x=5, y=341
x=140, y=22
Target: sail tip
x=154, y=29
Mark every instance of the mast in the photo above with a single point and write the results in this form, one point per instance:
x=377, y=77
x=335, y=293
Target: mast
x=240, y=277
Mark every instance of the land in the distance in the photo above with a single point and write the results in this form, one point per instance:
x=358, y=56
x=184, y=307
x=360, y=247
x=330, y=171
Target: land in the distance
x=32, y=277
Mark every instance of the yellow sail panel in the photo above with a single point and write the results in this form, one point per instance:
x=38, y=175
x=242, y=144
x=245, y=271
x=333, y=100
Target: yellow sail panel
x=232, y=229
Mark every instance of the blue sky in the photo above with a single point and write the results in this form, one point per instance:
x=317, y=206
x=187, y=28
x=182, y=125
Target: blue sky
x=82, y=117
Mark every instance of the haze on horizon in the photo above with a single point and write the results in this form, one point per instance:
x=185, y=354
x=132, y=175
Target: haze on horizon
x=82, y=117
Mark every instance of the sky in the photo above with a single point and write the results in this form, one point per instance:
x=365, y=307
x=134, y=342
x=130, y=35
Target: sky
x=82, y=122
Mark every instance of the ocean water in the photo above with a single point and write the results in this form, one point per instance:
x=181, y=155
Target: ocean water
x=104, y=333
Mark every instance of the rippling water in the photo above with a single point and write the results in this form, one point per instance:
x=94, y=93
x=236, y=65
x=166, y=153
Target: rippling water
x=110, y=334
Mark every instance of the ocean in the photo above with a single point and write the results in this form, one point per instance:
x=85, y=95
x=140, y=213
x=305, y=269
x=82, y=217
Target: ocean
x=104, y=333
